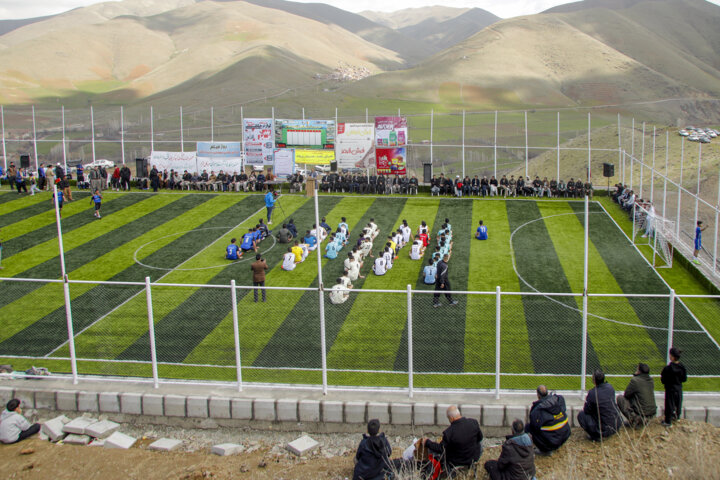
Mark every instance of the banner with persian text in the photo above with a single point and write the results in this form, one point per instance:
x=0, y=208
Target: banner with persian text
x=355, y=147
x=219, y=156
x=284, y=162
x=391, y=132
x=314, y=157
x=258, y=141
x=178, y=161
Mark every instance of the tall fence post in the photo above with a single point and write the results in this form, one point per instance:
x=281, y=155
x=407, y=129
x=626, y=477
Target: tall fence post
x=498, y=306
x=92, y=131
x=558, y=147
x=182, y=131
x=236, y=334
x=64, y=141
x=152, y=131
x=697, y=194
x=321, y=297
x=212, y=124
x=463, y=147
x=2, y=119
x=495, y=145
x=122, y=133
x=583, y=361
x=621, y=160
x=151, y=333
x=35, y=138
x=679, y=199
x=527, y=146
x=671, y=324
x=410, y=341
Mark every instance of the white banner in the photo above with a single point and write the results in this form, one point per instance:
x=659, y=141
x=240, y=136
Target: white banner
x=258, y=140
x=178, y=161
x=355, y=147
x=284, y=162
x=215, y=164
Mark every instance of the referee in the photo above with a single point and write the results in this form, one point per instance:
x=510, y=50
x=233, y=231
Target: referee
x=442, y=283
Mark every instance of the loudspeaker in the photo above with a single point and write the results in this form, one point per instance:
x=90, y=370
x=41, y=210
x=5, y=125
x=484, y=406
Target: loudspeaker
x=141, y=167
x=427, y=172
x=24, y=161
x=333, y=166
x=608, y=170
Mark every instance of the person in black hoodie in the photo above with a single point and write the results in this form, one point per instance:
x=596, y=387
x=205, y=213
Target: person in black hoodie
x=517, y=458
x=461, y=443
x=372, y=460
x=549, y=426
x=673, y=376
x=600, y=416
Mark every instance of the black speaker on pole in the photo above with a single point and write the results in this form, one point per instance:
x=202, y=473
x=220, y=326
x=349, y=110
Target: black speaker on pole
x=141, y=168
x=608, y=170
x=427, y=172
x=333, y=166
x=24, y=161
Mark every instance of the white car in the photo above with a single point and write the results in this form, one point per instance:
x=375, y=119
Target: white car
x=683, y=133
x=100, y=162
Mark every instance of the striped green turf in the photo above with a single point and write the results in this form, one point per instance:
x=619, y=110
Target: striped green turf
x=260, y=323
x=12, y=202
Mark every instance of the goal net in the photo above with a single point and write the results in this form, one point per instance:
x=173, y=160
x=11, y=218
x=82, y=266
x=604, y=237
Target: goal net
x=655, y=231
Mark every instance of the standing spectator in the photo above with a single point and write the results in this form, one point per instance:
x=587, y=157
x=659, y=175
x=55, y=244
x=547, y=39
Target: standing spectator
x=13, y=426
x=517, y=458
x=259, y=267
x=42, y=179
x=59, y=172
x=125, y=176
x=673, y=376
x=65, y=184
x=20, y=181
x=94, y=177
x=103, y=178
x=600, y=417
x=33, y=182
x=698, y=240
x=116, y=179
x=372, y=460
x=50, y=177
x=442, y=282
x=461, y=444
x=80, y=174
x=638, y=401
x=270, y=203
x=154, y=179
x=549, y=426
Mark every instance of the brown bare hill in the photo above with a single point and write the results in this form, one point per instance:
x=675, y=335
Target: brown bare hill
x=446, y=33
x=412, y=16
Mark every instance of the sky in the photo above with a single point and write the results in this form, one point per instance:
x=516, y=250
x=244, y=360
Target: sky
x=503, y=8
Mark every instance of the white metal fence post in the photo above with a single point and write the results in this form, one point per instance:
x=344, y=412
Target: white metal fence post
x=652, y=170
x=92, y=130
x=682, y=164
x=583, y=361
x=463, y=147
x=34, y=138
x=182, y=131
x=432, y=129
x=2, y=119
x=589, y=165
x=410, y=341
x=665, y=180
x=642, y=161
x=122, y=134
x=697, y=194
x=621, y=160
x=152, y=134
x=558, y=147
x=527, y=146
x=236, y=334
x=717, y=229
x=64, y=141
x=321, y=297
x=151, y=333
x=671, y=324
x=212, y=124
x=498, y=306
x=495, y=145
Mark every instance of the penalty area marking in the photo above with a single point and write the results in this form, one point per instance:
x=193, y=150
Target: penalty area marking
x=135, y=255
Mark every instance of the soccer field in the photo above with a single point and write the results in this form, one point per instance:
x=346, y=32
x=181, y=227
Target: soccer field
x=534, y=246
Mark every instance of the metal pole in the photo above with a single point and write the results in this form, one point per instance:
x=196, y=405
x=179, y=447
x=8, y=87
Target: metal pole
x=2, y=119
x=151, y=333
x=652, y=171
x=410, y=341
x=585, y=295
x=717, y=224
x=212, y=124
x=633, y=218
x=682, y=164
x=321, y=295
x=621, y=159
x=64, y=140
x=92, y=130
x=654, y=242
x=182, y=133
x=152, y=131
x=122, y=134
x=242, y=135
x=527, y=149
x=697, y=195
x=66, y=291
x=236, y=334
x=667, y=159
x=432, y=127
x=367, y=115
x=463, y=148
x=498, y=307
x=671, y=324
x=642, y=161
x=632, y=168
x=558, y=147
x=632, y=152
x=495, y=142
x=35, y=138
x=589, y=165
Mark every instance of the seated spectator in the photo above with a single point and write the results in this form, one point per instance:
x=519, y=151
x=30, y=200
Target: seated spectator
x=589, y=189
x=562, y=189
x=339, y=293
x=284, y=235
x=638, y=402
x=548, y=426
x=413, y=186
x=600, y=417
x=579, y=192
x=512, y=187
x=291, y=226
x=434, y=186
x=372, y=460
x=484, y=186
x=517, y=458
x=13, y=426
x=461, y=444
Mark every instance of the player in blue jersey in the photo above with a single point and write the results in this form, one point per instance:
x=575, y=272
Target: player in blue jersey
x=59, y=197
x=344, y=226
x=481, y=232
x=429, y=273
x=97, y=201
x=331, y=249
x=698, y=241
x=248, y=242
x=231, y=252
x=310, y=240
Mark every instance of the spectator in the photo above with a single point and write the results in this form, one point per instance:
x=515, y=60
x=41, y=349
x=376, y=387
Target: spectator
x=461, y=444
x=600, y=417
x=259, y=267
x=284, y=234
x=517, y=459
x=638, y=401
x=13, y=426
x=442, y=282
x=673, y=376
x=549, y=426
x=372, y=460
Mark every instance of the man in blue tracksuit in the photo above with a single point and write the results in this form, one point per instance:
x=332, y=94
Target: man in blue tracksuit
x=270, y=203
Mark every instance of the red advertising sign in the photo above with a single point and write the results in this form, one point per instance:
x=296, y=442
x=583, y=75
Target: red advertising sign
x=391, y=161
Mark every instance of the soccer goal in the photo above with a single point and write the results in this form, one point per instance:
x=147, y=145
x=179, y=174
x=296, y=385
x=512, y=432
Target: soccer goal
x=655, y=231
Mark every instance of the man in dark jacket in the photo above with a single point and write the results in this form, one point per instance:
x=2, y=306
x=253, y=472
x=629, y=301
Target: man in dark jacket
x=549, y=426
x=517, y=458
x=442, y=283
x=372, y=458
x=600, y=416
x=461, y=443
x=638, y=401
x=673, y=376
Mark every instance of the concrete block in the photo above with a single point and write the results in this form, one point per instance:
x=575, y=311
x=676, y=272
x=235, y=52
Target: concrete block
x=97, y=443
x=45, y=400
x=54, y=428
x=119, y=440
x=152, y=404
x=6, y=394
x=219, y=407
x=66, y=400
x=424, y=414
x=102, y=429
x=379, y=410
x=713, y=416
x=287, y=410
x=493, y=416
x=515, y=412
x=175, y=406
x=264, y=409
x=355, y=412
x=74, y=439
x=441, y=414
x=332, y=412
x=302, y=445
x=131, y=403
x=110, y=402
x=226, y=449
x=165, y=445
x=88, y=402
x=309, y=410
x=26, y=397
x=241, y=408
x=401, y=414
x=78, y=425
x=574, y=412
x=471, y=411
x=197, y=407
x=696, y=414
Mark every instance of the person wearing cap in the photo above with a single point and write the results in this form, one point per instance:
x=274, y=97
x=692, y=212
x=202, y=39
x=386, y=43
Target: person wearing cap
x=637, y=403
x=372, y=460
x=600, y=417
x=461, y=444
x=13, y=426
x=673, y=376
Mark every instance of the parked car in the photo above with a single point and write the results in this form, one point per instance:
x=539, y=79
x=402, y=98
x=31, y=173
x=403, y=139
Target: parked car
x=100, y=162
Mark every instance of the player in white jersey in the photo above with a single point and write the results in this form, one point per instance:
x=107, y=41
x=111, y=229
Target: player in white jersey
x=288, y=261
x=338, y=293
x=380, y=266
x=417, y=250
x=353, y=270
x=344, y=226
x=345, y=281
x=306, y=251
x=406, y=232
x=388, y=255
x=367, y=248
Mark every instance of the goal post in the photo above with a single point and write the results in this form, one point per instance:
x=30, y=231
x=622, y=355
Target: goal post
x=655, y=231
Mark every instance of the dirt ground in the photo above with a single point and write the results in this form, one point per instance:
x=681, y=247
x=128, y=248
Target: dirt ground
x=686, y=451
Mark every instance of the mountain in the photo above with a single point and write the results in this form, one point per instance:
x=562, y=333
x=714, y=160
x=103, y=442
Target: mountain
x=7, y=26
x=447, y=33
x=412, y=16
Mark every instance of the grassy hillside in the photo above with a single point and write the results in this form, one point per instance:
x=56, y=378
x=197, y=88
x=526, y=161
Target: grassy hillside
x=443, y=34
x=412, y=16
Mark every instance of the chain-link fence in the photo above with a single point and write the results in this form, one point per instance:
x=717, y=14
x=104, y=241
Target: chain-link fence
x=340, y=338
